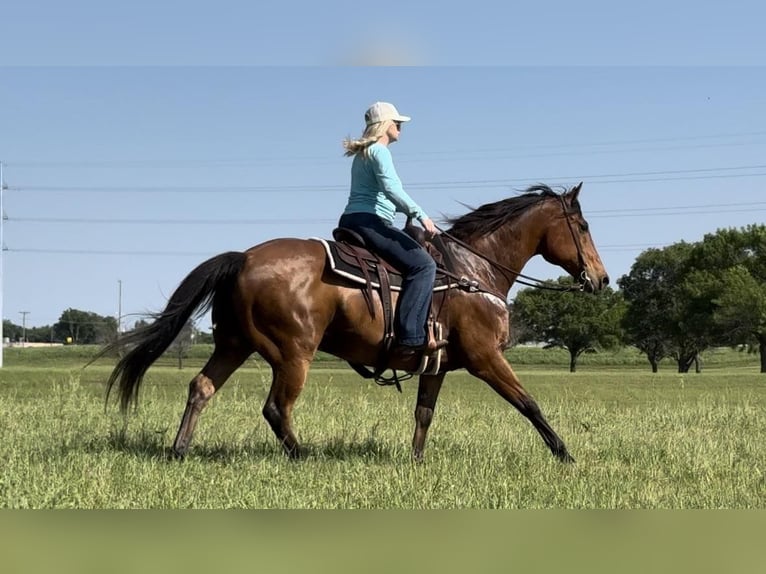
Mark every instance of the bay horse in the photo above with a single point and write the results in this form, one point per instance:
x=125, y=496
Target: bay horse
x=280, y=300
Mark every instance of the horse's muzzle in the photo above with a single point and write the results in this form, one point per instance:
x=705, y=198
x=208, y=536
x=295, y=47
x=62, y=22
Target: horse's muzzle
x=592, y=285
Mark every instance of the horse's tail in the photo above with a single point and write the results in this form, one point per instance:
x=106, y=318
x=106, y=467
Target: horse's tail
x=193, y=296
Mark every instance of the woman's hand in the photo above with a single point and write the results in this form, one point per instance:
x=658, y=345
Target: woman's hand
x=430, y=228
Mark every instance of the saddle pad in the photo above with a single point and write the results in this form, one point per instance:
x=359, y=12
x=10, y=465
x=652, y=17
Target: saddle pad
x=345, y=269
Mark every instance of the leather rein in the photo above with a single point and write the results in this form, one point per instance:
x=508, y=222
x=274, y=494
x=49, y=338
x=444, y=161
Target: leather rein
x=520, y=277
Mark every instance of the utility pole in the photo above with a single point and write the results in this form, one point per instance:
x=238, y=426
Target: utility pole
x=23, y=327
x=2, y=247
x=119, y=307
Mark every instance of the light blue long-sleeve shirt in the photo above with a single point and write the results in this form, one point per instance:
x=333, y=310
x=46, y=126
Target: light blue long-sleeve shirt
x=376, y=187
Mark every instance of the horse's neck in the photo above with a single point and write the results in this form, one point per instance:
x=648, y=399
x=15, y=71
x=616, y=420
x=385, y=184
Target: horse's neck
x=511, y=250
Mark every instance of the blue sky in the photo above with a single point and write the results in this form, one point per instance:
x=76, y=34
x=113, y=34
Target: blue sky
x=480, y=32
x=130, y=160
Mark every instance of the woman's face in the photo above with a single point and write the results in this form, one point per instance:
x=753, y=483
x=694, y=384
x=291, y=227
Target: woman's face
x=393, y=131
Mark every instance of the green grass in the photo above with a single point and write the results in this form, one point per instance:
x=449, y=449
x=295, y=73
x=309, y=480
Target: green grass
x=640, y=440
x=531, y=357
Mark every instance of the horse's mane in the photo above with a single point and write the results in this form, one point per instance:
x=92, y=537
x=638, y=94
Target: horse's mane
x=491, y=216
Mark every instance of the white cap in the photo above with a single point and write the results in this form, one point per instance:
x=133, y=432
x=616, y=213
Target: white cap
x=382, y=111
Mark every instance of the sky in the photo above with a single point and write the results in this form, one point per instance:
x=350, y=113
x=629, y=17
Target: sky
x=139, y=140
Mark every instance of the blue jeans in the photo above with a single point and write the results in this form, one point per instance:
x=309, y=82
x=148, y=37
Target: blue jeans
x=415, y=264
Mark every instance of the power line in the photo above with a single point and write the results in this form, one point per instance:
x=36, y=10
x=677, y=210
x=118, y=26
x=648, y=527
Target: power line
x=177, y=188
x=593, y=179
x=608, y=142
x=674, y=213
x=603, y=213
x=124, y=221
x=108, y=252
x=677, y=207
x=222, y=222
x=459, y=153
x=578, y=151
x=603, y=176
x=685, y=210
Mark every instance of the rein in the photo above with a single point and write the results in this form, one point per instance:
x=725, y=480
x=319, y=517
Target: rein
x=526, y=279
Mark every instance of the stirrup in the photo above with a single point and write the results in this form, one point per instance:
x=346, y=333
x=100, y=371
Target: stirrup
x=433, y=357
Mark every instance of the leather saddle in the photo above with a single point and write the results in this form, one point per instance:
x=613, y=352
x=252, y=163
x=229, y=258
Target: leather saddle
x=349, y=257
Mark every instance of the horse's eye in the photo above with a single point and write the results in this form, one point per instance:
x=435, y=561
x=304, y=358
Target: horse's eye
x=584, y=227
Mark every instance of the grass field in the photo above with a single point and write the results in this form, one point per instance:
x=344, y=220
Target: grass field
x=640, y=440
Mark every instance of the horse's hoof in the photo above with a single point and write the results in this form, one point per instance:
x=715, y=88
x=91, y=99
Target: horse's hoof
x=566, y=458
x=294, y=453
x=176, y=454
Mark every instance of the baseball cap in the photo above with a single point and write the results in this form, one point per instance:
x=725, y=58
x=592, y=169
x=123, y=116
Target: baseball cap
x=382, y=111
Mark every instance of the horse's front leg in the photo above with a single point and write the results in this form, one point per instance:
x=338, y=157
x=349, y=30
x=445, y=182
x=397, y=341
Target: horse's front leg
x=428, y=391
x=495, y=370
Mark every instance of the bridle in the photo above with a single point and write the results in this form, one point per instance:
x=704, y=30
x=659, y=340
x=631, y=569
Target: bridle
x=576, y=238
x=527, y=279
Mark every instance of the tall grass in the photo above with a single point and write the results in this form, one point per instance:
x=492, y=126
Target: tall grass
x=532, y=357
x=640, y=440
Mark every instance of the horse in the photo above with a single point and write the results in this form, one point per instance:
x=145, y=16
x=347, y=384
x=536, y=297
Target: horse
x=280, y=300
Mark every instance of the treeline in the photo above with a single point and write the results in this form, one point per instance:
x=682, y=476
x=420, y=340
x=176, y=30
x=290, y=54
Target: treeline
x=675, y=303
x=79, y=327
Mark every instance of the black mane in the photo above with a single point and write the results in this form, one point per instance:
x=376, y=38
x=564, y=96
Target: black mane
x=491, y=216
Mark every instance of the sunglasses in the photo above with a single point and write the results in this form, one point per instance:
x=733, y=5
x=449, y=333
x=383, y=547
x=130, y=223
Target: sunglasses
x=398, y=125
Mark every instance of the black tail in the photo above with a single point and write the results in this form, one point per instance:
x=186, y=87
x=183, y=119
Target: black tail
x=193, y=296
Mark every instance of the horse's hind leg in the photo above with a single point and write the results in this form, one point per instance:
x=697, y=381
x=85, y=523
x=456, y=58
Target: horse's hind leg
x=289, y=379
x=428, y=391
x=214, y=374
x=496, y=371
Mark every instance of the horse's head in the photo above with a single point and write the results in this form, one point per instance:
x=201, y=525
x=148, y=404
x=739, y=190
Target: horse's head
x=568, y=243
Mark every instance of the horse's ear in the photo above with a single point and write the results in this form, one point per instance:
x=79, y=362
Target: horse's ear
x=575, y=191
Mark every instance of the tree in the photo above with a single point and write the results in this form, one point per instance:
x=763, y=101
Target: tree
x=518, y=331
x=42, y=334
x=741, y=311
x=15, y=332
x=649, y=289
x=577, y=322
x=668, y=312
x=734, y=279
x=203, y=338
x=183, y=342
x=12, y=331
x=85, y=327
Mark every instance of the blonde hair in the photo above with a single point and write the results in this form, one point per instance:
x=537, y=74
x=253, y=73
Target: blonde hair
x=371, y=134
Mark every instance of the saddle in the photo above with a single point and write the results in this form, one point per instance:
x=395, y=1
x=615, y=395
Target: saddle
x=349, y=257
